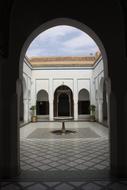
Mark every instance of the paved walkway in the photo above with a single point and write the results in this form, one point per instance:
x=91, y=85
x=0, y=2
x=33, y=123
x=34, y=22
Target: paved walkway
x=75, y=161
x=84, y=154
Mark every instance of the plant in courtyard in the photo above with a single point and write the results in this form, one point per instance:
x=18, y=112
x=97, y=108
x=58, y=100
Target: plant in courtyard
x=33, y=113
x=92, y=112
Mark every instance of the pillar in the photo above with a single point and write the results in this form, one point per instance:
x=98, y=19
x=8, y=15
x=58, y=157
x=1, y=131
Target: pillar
x=50, y=100
x=10, y=151
x=75, y=96
x=108, y=116
x=51, y=110
x=100, y=110
x=118, y=134
x=75, y=110
x=26, y=110
x=29, y=112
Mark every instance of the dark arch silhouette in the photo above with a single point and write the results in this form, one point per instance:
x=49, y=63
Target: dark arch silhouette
x=63, y=101
x=83, y=102
x=42, y=103
x=63, y=105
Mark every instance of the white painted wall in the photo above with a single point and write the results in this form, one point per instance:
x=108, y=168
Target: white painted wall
x=27, y=74
x=49, y=79
x=98, y=74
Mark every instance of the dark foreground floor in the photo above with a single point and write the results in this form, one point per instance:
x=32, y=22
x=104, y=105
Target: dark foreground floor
x=57, y=185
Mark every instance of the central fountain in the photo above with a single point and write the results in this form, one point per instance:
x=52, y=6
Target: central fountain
x=63, y=130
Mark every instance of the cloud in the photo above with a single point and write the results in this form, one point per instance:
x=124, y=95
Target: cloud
x=62, y=41
x=80, y=41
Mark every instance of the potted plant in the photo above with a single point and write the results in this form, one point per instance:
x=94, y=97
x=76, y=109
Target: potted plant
x=33, y=114
x=92, y=112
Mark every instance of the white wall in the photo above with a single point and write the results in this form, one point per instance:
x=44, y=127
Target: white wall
x=49, y=79
x=27, y=74
x=98, y=74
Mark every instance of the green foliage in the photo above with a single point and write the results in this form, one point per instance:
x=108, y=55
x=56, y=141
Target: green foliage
x=33, y=108
x=92, y=109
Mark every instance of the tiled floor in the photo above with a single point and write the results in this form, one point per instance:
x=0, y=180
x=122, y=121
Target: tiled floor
x=83, y=154
x=75, y=158
x=79, y=161
x=57, y=185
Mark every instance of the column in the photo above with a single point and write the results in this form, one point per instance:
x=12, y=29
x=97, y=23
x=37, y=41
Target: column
x=100, y=110
x=107, y=101
x=29, y=112
x=51, y=110
x=75, y=96
x=75, y=110
x=25, y=110
x=50, y=100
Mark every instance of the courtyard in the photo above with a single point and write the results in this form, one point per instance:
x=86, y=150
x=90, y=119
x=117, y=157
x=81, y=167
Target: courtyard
x=64, y=162
x=84, y=154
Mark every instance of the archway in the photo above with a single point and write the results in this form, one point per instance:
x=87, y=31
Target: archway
x=18, y=37
x=83, y=103
x=78, y=25
x=63, y=101
x=42, y=103
x=63, y=94
x=82, y=27
x=63, y=105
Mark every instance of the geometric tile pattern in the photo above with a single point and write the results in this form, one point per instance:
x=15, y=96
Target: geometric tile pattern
x=64, y=164
x=79, y=185
x=67, y=155
x=46, y=133
x=66, y=158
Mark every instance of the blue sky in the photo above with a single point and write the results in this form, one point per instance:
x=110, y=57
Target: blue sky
x=62, y=41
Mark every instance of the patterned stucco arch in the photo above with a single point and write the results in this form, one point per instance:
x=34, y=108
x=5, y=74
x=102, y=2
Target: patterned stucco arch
x=42, y=90
x=65, y=84
x=84, y=90
x=63, y=89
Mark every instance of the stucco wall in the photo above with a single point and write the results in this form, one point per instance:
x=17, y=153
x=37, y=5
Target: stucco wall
x=27, y=75
x=49, y=79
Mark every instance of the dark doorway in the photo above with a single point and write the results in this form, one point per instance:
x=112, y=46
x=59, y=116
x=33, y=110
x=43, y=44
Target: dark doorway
x=63, y=105
x=63, y=101
x=42, y=107
x=42, y=103
x=83, y=102
x=83, y=107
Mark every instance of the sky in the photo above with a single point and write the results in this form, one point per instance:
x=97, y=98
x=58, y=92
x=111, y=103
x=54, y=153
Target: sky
x=62, y=41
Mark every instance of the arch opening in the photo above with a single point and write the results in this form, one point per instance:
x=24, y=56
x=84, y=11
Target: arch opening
x=63, y=101
x=83, y=102
x=66, y=101
x=42, y=103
